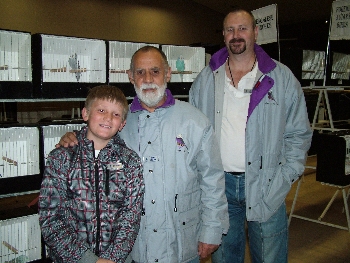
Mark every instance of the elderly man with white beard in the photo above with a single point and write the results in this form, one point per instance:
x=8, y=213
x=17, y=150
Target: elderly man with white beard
x=185, y=208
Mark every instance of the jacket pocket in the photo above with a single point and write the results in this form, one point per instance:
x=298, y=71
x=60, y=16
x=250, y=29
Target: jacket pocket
x=189, y=226
x=277, y=189
x=188, y=200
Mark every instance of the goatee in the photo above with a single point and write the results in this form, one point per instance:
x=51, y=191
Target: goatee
x=237, y=50
x=150, y=98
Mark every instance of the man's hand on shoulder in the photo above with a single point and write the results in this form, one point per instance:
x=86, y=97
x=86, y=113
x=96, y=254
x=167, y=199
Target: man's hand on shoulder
x=205, y=250
x=69, y=139
x=102, y=260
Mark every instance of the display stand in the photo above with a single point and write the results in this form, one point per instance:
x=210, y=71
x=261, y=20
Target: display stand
x=323, y=94
x=319, y=220
x=315, y=126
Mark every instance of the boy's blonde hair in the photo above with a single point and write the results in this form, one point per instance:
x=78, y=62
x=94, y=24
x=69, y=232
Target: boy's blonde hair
x=110, y=93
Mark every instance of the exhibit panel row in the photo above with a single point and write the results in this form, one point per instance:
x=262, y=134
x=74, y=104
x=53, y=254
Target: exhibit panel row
x=43, y=66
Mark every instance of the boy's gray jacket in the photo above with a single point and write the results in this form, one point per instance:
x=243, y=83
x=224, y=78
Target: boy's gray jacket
x=184, y=198
x=278, y=133
x=91, y=207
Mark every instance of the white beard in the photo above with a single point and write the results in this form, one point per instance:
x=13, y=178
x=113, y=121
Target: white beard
x=151, y=99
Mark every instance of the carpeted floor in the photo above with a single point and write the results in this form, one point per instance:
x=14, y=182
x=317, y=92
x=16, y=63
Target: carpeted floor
x=311, y=242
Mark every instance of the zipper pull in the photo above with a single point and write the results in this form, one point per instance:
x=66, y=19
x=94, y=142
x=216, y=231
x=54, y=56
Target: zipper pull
x=175, y=208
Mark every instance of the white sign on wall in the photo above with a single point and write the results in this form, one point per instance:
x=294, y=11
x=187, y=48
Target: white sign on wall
x=266, y=21
x=340, y=28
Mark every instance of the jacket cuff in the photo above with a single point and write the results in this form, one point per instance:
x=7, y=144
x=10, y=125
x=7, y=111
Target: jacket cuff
x=88, y=257
x=211, y=236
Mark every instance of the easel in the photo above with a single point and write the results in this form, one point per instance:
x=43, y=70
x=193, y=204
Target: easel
x=319, y=221
x=323, y=92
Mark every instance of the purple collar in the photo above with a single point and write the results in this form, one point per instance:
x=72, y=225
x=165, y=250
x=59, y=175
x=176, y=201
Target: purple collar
x=265, y=63
x=136, y=105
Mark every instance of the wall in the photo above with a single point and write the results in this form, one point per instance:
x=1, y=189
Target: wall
x=178, y=22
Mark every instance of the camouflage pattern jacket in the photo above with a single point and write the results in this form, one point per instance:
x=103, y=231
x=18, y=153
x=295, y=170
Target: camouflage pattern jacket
x=90, y=207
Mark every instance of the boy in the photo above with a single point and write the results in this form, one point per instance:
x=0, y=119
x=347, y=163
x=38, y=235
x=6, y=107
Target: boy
x=91, y=196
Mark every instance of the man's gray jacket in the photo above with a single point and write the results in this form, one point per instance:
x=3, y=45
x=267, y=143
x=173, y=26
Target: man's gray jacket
x=278, y=133
x=184, y=200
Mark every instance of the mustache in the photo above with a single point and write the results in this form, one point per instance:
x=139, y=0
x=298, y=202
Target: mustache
x=237, y=40
x=149, y=86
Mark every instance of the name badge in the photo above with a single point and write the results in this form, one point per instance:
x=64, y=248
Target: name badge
x=248, y=90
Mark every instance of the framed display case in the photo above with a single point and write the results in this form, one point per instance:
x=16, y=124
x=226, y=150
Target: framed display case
x=66, y=67
x=19, y=151
x=19, y=161
x=119, y=56
x=185, y=62
x=20, y=239
x=53, y=133
x=15, y=65
x=308, y=66
x=340, y=66
x=313, y=65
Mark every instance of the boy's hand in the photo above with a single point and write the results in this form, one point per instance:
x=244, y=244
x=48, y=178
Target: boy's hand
x=69, y=139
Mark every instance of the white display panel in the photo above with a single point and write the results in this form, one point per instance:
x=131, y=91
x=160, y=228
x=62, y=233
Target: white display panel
x=120, y=54
x=313, y=64
x=20, y=239
x=68, y=59
x=15, y=56
x=53, y=133
x=340, y=66
x=19, y=151
x=185, y=62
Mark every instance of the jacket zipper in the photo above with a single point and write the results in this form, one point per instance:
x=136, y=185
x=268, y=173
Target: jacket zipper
x=107, y=182
x=97, y=248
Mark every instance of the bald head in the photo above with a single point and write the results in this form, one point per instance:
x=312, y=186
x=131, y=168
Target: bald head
x=240, y=10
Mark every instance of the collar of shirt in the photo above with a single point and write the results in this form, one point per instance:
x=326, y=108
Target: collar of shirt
x=136, y=105
x=245, y=85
